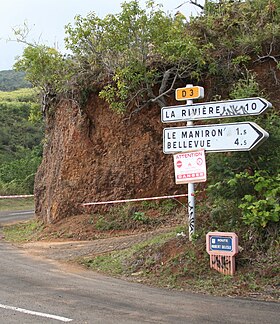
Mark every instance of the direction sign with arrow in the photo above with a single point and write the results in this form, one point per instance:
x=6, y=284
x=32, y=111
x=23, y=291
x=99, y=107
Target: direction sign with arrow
x=215, y=109
x=242, y=136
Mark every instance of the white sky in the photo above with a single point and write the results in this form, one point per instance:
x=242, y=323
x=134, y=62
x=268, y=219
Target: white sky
x=47, y=18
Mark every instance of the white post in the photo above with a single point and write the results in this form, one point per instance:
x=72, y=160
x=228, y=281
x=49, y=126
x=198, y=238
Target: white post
x=191, y=200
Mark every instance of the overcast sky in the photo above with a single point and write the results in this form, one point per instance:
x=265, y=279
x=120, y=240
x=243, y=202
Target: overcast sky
x=47, y=18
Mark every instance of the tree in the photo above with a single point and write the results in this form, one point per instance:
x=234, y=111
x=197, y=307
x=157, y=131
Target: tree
x=135, y=56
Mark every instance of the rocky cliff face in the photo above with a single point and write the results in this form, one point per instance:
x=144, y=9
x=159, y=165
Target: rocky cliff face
x=100, y=156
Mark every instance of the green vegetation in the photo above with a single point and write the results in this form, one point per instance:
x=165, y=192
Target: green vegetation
x=16, y=204
x=43, y=65
x=262, y=206
x=251, y=178
x=11, y=80
x=169, y=260
x=136, y=57
x=21, y=135
x=116, y=263
x=135, y=216
x=23, y=232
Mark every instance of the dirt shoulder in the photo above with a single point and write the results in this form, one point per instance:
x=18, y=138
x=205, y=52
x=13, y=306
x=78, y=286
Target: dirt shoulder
x=71, y=250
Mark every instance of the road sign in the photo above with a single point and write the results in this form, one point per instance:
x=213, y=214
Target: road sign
x=215, y=109
x=242, y=136
x=190, y=167
x=189, y=93
x=222, y=243
x=222, y=248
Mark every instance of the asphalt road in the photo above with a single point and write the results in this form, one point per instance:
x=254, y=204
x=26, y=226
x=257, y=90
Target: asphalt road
x=15, y=216
x=34, y=290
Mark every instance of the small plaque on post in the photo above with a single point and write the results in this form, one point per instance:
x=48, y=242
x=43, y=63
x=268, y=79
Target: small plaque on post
x=222, y=248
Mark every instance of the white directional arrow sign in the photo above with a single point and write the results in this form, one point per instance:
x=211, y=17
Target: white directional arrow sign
x=213, y=138
x=215, y=109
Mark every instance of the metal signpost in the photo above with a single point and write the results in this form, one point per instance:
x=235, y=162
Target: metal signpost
x=191, y=200
x=241, y=136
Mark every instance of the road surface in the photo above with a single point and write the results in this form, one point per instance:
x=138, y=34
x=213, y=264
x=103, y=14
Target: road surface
x=35, y=290
x=15, y=216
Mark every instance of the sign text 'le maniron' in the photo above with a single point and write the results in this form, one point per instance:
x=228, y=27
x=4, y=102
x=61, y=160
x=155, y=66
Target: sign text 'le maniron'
x=241, y=136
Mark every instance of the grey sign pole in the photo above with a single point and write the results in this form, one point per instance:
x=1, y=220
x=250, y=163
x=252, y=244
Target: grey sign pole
x=191, y=199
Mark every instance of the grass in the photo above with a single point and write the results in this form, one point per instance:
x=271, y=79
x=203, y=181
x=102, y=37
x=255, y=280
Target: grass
x=148, y=215
x=117, y=262
x=16, y=204
x=22, y=232
x=174, y=262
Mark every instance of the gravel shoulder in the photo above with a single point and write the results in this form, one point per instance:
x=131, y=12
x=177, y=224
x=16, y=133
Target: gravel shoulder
x=71, y=250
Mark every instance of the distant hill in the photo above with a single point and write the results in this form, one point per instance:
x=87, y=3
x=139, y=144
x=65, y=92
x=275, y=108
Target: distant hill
x=12, y=80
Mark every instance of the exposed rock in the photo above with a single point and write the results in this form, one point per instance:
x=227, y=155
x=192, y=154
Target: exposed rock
x=100, y=156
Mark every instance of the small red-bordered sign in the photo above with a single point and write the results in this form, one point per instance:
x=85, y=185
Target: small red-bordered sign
x=190, y=167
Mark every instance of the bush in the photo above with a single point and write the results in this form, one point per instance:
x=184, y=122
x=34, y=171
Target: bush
x=263, y=206
x=17, y=176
